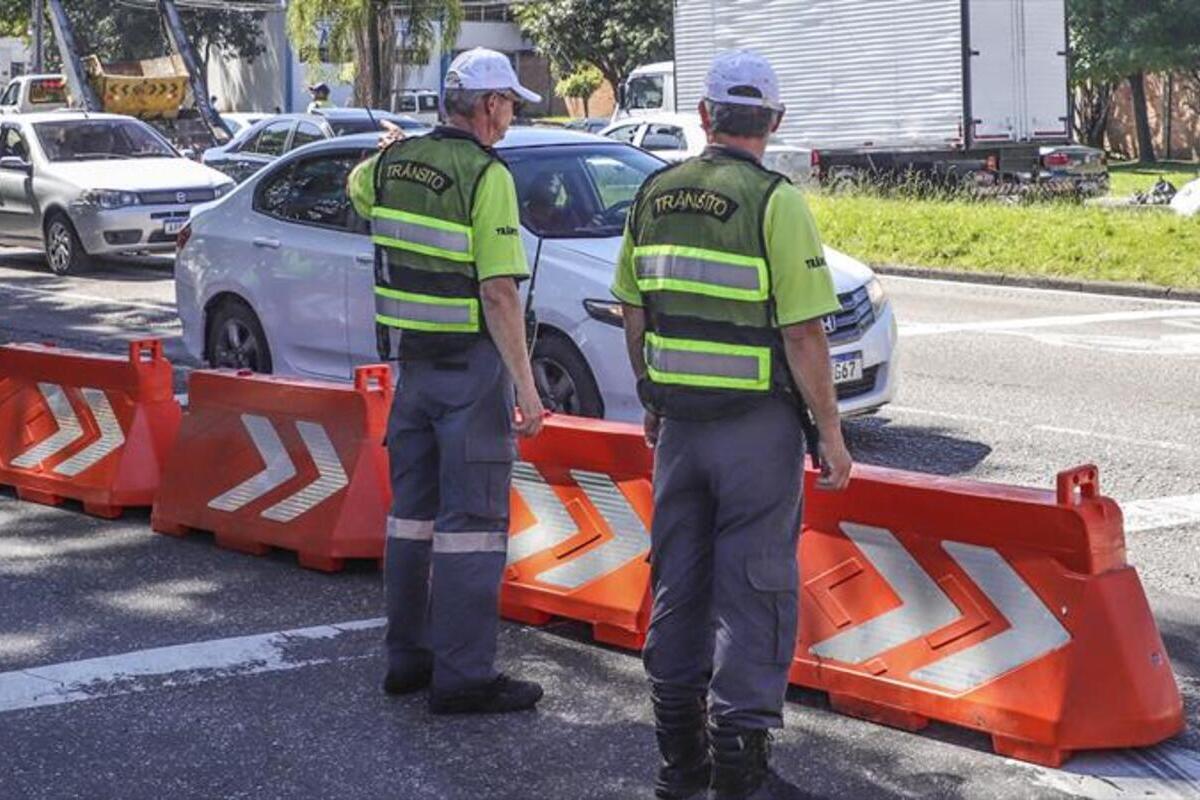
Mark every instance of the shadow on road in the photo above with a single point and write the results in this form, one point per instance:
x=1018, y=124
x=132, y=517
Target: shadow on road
x=880, y=441
x=131, y=269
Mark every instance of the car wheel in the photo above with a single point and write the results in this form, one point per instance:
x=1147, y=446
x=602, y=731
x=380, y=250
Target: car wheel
x=236, y=339
x=564, y=379
x=64, y=252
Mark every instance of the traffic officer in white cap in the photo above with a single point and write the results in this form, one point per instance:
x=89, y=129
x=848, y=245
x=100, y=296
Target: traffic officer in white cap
x=724, y=286
x=448, y=258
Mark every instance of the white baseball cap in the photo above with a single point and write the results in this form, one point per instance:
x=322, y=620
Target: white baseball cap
x=744, y=78
x=484, y=69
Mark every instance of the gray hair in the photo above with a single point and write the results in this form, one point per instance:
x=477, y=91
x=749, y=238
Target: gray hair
x=462, y=102
x=734, y=119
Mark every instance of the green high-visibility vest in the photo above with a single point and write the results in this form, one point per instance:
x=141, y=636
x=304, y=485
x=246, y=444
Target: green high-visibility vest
x=425, y=279
x=702, y=267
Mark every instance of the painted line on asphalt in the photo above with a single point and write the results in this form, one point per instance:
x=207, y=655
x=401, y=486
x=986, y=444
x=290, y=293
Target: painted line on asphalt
x=914, y=329
x=184, y=664
x=90, y=298
x=1165, y=772
x=1161, y=512
x=1175, y=447
x=974, y=287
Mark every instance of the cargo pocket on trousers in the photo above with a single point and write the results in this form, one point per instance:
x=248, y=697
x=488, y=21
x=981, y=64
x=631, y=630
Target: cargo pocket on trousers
x=489, y=452
x=774, y=579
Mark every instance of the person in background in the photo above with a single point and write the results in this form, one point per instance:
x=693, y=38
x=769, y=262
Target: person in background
x=320, y=97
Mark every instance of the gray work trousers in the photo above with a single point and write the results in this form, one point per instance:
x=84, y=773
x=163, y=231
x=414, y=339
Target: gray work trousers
x=727, y=504
x=451, y=448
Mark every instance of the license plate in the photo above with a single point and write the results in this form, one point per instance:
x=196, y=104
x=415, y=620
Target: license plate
x=847, y=368
x=174, y=226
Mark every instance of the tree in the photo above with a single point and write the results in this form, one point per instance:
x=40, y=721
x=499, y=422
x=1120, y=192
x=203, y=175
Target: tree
x=1115, y=40
x=117, y=32
x=615, y=36
x=580, y=84
x=364, y=33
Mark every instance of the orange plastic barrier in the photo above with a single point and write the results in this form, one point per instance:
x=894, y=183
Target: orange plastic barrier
x=581, y=505
x=1007, y=610
x=87, y=427
x=267, y=462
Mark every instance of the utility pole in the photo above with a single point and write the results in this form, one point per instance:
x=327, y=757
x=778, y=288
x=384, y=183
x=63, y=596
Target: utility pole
x=39, y=24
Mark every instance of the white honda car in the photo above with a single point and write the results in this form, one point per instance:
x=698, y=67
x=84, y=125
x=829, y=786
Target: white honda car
x=279, y=276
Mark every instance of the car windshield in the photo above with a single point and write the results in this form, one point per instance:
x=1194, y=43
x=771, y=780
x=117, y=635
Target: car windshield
x=645, y=91
x=99, y=139
x=47, y=91
x=364, y=124
x=578, y=191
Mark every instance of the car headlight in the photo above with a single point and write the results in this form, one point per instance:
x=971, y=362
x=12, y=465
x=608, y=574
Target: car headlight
x=108, y=198
x=876, y=294
x=223, y=189
x=607, y=311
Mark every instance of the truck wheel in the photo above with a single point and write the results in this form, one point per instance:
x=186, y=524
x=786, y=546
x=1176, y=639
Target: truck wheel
x=64, y=252
x=236, y=339
x=563, y=378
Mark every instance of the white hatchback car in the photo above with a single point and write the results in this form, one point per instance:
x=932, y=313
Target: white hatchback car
x=674, y=137
x=278, y=277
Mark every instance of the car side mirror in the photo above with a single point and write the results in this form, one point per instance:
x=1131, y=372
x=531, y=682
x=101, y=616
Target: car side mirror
x=16, y=164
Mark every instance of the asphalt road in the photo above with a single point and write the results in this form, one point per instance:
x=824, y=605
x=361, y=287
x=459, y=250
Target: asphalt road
x=208, y=674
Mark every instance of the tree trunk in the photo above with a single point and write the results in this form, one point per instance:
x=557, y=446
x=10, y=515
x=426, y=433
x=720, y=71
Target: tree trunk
x=373, y=57
x=1141, y=115
x=585, y=107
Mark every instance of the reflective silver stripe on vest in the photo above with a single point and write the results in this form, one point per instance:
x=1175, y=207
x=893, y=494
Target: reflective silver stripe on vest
x=684, y=362
x=431, y=313
x=452, y=241
x=470, y=541
x=697, y=270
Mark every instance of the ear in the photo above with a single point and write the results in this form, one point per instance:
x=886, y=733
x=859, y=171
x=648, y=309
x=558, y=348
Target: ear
x=705, y=120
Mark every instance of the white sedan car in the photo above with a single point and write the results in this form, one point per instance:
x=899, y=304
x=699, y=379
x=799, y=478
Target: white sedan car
x=278, y=277
x=674, y=137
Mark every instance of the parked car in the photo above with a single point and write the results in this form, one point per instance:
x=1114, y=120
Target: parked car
x=588, y=124
x=1073, y=169
x=269, y=138
x=278, y=277
x=239, y=121
x=27, y=94
x=419, y=104
x=82, y=185
x=674, y=137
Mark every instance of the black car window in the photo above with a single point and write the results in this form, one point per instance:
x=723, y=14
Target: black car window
x=625, y=133
x=12, y=144
x=306, y=133
x=272, y=139
x=313, y=192
x=12, y=95
x=664, y=137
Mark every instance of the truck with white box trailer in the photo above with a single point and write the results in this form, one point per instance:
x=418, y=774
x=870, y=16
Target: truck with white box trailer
x=948, y=89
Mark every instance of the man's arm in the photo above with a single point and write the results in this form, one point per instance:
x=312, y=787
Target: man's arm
x=506, y=323
x=808, y=359
x=635, y=345
x=361, y=187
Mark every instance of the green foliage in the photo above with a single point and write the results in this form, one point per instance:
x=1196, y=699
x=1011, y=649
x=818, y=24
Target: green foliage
x=614, y=35
x=363, y=33
x=580, y=84
x=1058, y=239
x=1112, y=39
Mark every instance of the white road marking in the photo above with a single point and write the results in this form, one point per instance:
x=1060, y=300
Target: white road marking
x=1166, y=772
x=1161, y=512
x=913, y=329
x=1185, y=345
x=1175, y=447
x=185, y=664
x=91, y=298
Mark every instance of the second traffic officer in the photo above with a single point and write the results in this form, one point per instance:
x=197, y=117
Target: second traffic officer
x=445, y=222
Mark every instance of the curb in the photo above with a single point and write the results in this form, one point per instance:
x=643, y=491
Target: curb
x=1039, y=282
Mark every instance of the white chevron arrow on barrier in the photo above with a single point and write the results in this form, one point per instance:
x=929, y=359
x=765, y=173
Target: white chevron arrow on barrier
x=68, y=433
x=279, y=468
x=111, y=436
x=1034, y=630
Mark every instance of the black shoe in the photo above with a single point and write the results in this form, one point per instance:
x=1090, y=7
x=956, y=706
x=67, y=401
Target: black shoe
x=398, y=682
x=501, y=696
x=681, y=727
x=740, y=763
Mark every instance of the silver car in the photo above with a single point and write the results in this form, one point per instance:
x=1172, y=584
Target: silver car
x=84, y=185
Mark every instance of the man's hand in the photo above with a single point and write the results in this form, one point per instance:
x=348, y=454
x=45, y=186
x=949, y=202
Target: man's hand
x=651, y=425
x=835, y=464
x=392, y=133
x=530, y=414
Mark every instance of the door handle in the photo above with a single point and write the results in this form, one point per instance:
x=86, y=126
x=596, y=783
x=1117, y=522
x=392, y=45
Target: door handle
x=264, y=241
x=365, y=258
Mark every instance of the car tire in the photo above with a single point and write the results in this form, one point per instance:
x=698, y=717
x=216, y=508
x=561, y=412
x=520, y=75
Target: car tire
x=64, y=252
x=564, y=380
x=235, y=339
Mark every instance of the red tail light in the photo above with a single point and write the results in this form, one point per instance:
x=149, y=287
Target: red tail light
x=814, y=160
x=993, y=164
x=182, y=239
x=1056, y=160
